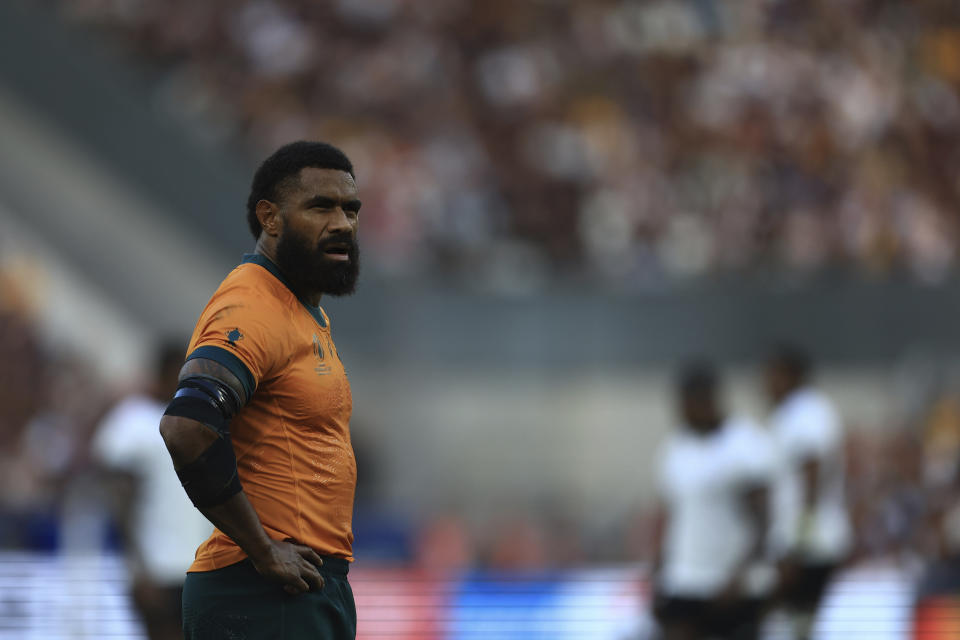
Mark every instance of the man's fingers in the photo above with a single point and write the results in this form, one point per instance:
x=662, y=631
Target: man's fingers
x=309, y=573
x=306, y=562
x=310, y=556
x=312, y=576
x=295, y=586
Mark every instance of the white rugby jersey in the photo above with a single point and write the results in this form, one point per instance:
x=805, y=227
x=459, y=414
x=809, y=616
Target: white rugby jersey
x=806, y=426
x=167, y=527
x=702, y=480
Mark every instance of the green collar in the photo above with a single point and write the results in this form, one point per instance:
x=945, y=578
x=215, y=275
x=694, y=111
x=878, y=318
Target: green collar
x=267, y=263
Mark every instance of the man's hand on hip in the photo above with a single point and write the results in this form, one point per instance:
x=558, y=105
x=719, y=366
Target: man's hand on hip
x=292, y=565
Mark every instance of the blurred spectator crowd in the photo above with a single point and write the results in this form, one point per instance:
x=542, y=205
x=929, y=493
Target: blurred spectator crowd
x=615, y=141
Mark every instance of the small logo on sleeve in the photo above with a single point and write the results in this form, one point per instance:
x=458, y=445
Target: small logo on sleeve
x=234, y=336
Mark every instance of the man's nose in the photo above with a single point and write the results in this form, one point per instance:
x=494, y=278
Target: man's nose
x=341, y=222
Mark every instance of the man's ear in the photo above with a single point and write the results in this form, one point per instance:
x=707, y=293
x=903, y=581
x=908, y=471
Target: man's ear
x=269, y=216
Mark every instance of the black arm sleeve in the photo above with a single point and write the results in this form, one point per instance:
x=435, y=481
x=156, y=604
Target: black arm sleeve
x=212, y=478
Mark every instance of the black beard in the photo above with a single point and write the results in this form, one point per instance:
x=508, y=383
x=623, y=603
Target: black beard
x=311, y=271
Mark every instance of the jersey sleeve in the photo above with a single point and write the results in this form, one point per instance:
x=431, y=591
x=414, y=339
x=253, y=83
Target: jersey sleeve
x=235, y=330
x=814, y=432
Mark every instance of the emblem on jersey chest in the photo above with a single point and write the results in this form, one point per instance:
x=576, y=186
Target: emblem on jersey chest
x=322, y=368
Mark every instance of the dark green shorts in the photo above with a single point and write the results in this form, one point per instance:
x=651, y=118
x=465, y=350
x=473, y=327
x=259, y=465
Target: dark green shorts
x=237, y=603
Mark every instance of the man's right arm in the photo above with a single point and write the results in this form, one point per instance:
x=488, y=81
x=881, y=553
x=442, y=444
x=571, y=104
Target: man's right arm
x=199, y=444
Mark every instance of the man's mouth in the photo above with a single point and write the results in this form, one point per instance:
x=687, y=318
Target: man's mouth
x=338, y=251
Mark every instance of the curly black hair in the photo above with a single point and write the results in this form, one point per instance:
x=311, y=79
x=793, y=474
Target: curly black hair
x=285, y=163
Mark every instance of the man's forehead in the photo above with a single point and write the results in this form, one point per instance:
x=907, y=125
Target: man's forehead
x=333, y=182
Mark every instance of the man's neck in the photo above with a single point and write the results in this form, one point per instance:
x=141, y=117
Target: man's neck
x=706, y=428
x=269, y=251
x=790, y=393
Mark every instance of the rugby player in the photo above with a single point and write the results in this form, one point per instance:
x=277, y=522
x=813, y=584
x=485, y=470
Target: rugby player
x=711, y=575
x=258, y=428
x=812, y=534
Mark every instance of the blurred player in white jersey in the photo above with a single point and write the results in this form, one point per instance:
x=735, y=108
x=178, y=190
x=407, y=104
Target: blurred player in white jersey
x=160, y=527
x=711, y=574
x=811, y=530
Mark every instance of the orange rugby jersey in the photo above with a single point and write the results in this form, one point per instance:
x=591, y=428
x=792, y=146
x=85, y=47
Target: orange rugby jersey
x=292, y=438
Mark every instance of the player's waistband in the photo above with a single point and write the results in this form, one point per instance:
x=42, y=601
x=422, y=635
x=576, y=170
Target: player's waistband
x=335, y=566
